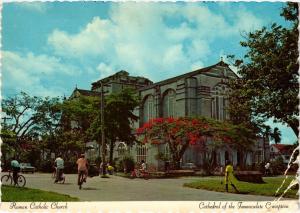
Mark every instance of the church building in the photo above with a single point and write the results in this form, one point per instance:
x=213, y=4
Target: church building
x=203, y=92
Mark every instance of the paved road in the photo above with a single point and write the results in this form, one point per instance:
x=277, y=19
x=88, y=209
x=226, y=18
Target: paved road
x=122, y=189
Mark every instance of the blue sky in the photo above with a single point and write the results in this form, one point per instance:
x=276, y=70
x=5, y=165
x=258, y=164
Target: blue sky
x=49, y=48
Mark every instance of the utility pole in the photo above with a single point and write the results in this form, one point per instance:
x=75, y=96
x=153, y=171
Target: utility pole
x=102, y=131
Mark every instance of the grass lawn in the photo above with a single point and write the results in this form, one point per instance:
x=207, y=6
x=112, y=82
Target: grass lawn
x=269, y=188
x=10, y=193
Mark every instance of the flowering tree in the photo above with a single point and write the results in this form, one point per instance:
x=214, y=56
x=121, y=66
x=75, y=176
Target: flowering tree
x=180, y=133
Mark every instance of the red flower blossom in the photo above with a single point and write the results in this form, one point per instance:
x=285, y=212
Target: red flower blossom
x=155, y=142
x=140, y=131
x=170, y=120
x=158, y=120
x=195, y=122
x=147, y=126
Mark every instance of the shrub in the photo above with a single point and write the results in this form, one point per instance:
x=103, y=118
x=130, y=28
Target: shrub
x=278, y=167
x=98, y=161
x=46, y=166
x=260, y=167
x=127, y=164
x=70, y=167
x=120, y=166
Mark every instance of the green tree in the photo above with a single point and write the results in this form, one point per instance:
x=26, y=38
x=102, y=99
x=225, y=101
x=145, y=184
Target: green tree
x=81, y=116
x=77, y=115
x=269, y=71
x=119, y=116
x=276, y=135
x=28, y=118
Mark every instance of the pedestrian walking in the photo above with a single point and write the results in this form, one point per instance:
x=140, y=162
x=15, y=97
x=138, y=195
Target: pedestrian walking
x=229, y=177
x=267, y=169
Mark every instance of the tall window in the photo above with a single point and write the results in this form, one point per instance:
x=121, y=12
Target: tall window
x=220, y=102
x=121, y=149
x=167, y=151
x=148, y=108
x=258, y=156
x=141, y=153
x=169, y=104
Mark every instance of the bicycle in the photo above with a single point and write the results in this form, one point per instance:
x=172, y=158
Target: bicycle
x=81, y=178
x=61, y=178
x=136, y=173
x=8, y=179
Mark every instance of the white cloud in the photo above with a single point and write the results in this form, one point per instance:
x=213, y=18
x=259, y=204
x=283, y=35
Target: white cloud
x=246, y=21
x=197, y=65
x=143, y=38
x=105, y=70
x=30, y=73
x=93, y=40
x=33, y=6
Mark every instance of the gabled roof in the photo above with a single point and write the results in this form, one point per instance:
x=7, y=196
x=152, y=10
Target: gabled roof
x=187, y=75
x=283, y=148
x=84, y=93
x=120, y=74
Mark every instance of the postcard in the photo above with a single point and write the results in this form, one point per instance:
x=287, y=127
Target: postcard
x=149, y=106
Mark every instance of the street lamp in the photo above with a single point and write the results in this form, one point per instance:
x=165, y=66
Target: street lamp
x=102, y=130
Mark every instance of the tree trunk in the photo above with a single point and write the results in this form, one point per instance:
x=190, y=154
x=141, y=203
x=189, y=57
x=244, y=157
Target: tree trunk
x=295, y=126
x=244, y=161
x=177, y=155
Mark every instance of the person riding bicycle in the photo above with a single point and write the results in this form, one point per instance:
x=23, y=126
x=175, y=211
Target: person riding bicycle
x=59, y=162
x=82, y=169
x=15, y=167
x=143, y=166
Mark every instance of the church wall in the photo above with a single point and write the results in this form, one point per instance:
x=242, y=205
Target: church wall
x=180, y=99
x=191, y=96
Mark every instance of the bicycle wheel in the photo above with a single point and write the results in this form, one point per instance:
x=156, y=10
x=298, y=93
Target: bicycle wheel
x=6, y=180
x=21, y=181
x=146, y=175
x=63, y=179
x=80, y=180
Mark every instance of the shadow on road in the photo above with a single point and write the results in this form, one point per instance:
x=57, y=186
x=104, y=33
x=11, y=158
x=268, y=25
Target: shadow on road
x=89, y=188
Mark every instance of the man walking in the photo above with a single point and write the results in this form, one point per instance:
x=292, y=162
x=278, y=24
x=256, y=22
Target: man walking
x=267, y=169
x=229, y=177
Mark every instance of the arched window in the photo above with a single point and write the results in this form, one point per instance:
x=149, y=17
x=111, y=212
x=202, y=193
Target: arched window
x=167, y=151
x=148, y=108
x=121, y=149
x=141, y=153
x=220, y=102
x=226, y=156
x=169, y=103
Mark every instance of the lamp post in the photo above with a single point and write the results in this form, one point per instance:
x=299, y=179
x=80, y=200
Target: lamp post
x=102, y=152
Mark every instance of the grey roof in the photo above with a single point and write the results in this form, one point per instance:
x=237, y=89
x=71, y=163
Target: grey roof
x=86, y=92
x=117, y=74
x=186, y=75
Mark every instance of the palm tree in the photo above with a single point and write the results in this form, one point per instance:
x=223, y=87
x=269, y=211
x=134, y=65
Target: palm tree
x=266, y=135
x=276, y=135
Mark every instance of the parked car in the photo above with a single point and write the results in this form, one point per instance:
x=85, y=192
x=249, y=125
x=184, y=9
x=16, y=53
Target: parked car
x=26, y=167
x=189, y=166
x=93, y=170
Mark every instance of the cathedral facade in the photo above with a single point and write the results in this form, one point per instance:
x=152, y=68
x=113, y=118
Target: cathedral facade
x=203, y=92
